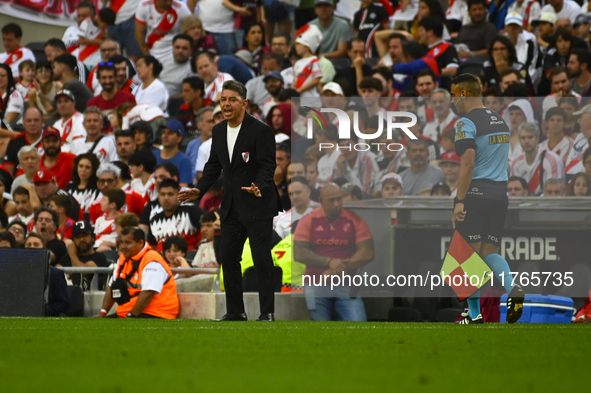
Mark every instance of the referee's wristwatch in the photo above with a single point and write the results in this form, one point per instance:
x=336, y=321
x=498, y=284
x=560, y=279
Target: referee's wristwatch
x=456, y=200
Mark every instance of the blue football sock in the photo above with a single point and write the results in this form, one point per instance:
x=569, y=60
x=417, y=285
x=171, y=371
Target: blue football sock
x=474, y=304
x=500, y=268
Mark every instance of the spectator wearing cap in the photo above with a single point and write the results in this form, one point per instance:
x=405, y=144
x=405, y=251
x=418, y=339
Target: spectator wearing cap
x=110, y=96
x=517, y=187
x=582, y=24
x=579, y=66
x=81, y=253
x=525, y=43
x=351, y=193
x=307, y=71
x=450, y=166
x=172, y=135
x=274, y=86
x=563, y=9
x=332, y=96
x=445, y=118
x=421, y=175
x=545, y=24
x=65, y=68
x=536, y=164
x=177, y=67
x=336, y=32
x=391, y=186
x=581, y=142
x=54, y=159
x=103, y=146
x=33, y=123
x=440, y=189
x=207, y=68
x=15, y=54
x=46, y=186
x=477, y=35
x=151, y=91
x=46, y=224
x=529, y=10
x=70, y=125
x=256, y=91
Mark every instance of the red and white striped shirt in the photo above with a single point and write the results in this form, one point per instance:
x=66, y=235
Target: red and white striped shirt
x=563, y=148
x=213, y=89
x=71, y=129
x=306, y=70
x=13, y=59
x=553, y=168
x=104, y=230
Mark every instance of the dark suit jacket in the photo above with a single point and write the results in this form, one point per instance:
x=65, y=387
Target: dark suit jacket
x=253, y=161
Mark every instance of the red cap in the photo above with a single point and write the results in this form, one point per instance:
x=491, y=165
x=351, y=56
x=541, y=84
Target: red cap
x=43, y=175
x=48, y=131
x=450, y=156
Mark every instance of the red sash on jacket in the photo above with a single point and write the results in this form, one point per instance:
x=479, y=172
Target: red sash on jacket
x=306, y=72
x=166, y=24
x=67, y=129
x=534, y=182
x=14, y=57
x=89, y=50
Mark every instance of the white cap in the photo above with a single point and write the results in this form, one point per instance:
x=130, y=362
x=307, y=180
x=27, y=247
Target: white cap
x=548, y=17
x=216, y=110
x=309, y=35
x=334, y=87
x=514, y=19
x=392, y=176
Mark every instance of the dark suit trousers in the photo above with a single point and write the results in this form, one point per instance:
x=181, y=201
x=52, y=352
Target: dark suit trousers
x=234, y=234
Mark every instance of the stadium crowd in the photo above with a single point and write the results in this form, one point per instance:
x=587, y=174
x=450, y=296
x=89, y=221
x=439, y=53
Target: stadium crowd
x=108, y=123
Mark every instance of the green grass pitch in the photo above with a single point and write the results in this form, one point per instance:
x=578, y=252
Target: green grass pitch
x=88, y=355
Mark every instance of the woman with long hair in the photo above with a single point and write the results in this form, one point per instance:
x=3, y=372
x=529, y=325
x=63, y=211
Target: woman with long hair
x=502, y=55
x=151, y=90
x=557, y=55
x=83, y=185
x=43, y=92
x=429, y=8
x=254, y=42
x=580, y=185
x=12, y=106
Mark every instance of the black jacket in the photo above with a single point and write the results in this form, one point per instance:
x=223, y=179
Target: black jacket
x=253, y=161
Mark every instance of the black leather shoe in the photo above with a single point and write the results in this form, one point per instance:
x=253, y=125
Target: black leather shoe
x=266, y=318
x=232, y=317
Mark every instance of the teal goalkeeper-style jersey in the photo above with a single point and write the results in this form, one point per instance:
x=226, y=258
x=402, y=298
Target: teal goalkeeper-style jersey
x=486, y=132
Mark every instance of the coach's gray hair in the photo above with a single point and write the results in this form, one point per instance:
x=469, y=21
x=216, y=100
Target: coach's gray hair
x=555, y=180
x=531, y=127
x=93, y=109
x=27, y=150
x=201, y=113
x=235, y=86
x=442, y=91
x=108, y=168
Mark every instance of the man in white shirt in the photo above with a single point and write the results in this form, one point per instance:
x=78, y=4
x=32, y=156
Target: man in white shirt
x=103, y=146
x=299, y=194
x=581, y=142
x=557, y=142
x=207, y=68
x=563, y=9
x=205, y=148
x=328, y=140
x=156, y=23
x=70, y=124
x=525, y=43
x=528, y=165
x=358, y=167
x=177, y=67
x=444, y=117
x=15, y=53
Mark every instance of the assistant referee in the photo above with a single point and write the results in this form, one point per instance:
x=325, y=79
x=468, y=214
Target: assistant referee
x=482, y=141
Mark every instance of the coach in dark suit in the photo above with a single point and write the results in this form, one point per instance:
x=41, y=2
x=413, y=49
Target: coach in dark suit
x=244, y=148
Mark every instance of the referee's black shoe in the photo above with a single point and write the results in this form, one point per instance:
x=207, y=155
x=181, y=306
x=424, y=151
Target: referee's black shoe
x=469, y=321
x=515, y=304
x=232, y=317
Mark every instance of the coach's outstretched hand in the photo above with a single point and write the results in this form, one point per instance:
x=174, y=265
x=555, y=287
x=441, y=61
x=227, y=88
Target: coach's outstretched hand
x=459, y=214
x=254, y=190
x=189, y=195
